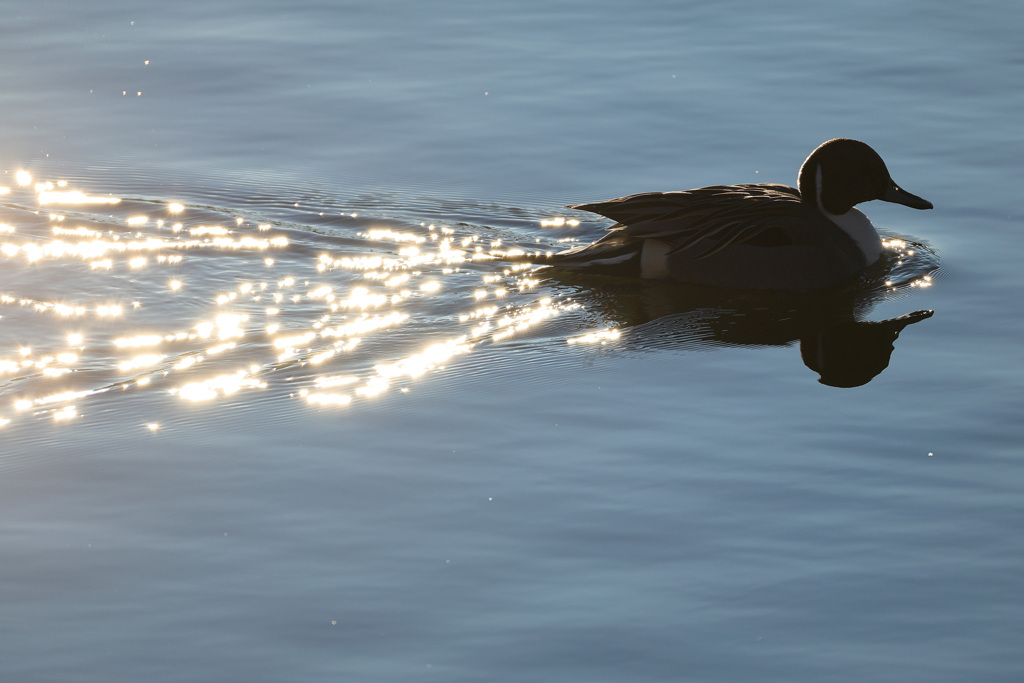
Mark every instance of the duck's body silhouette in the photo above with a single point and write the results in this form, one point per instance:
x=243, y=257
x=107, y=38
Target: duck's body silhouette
x=751, y=236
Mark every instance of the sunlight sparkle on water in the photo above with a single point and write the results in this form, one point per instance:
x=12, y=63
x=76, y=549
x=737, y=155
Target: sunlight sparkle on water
x=558, y=222
x=77, y=232
x=362, y=298
x=222, y=385
x=198, y=339
x=392, y=236
x=72, y=197
x=295, y=340
x=598, y=337
x=418, y=364
x=321, y=357
x=187, y=362
x=220, y=348
x=65, y=413
x=922, y=282
x=59, y=397
x=520, y=320
x=365, y=325
x=208, y=230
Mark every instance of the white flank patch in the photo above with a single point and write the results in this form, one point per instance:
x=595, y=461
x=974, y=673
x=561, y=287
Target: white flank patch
x=654, y=260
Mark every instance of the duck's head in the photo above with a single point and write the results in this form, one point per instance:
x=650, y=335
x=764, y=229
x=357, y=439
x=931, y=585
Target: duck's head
x=841, y=173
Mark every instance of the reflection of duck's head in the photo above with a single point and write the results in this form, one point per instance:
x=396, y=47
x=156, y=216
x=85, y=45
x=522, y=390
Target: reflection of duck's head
x=850, y=354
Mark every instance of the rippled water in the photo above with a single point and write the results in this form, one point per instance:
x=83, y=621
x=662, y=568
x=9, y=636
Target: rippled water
x=302, y=300
x=280, y=402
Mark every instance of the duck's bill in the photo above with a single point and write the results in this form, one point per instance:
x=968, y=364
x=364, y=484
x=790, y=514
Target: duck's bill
x=898, y=195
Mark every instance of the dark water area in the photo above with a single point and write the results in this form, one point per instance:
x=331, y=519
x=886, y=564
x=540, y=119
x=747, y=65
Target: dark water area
x=276, y=406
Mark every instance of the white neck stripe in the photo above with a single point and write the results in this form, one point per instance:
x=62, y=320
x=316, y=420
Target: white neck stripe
x=817, y=189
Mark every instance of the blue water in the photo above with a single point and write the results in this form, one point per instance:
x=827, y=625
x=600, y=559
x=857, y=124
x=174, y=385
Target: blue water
x=427, y=470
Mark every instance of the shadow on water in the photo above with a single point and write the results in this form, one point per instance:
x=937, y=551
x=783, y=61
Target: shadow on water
x=835, y=337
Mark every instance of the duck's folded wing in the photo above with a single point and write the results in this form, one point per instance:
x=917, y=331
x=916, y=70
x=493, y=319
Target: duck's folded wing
x=716, y=216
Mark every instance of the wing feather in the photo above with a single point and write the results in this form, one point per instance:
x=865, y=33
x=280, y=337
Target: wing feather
x=720, y=214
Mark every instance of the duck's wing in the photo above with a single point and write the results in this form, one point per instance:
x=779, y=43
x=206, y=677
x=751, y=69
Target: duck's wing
x=720, y=214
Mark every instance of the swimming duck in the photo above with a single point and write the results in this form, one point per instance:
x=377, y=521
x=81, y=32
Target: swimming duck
x=751, y=236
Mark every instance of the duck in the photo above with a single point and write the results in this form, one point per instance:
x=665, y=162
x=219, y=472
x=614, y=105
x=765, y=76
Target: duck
x=752, y=236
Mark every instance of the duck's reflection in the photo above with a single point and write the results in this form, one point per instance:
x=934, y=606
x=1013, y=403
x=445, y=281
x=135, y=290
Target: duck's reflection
x=834, y=338
x=852, y=353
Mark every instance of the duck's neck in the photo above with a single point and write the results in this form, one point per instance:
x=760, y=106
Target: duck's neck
x=854, y=223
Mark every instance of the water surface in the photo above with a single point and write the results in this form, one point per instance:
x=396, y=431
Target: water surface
x=276, y=406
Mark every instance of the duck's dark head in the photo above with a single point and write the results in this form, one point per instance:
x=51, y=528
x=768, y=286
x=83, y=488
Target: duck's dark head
x=842, y=172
